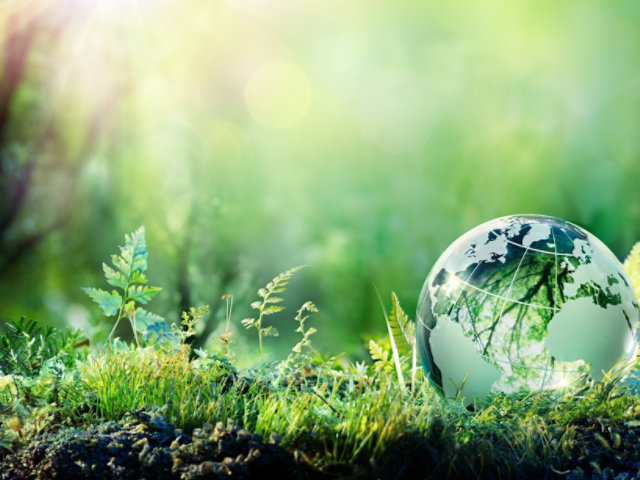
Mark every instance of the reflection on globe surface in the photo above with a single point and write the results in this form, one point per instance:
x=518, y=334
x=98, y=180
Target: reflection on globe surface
x=524, y=302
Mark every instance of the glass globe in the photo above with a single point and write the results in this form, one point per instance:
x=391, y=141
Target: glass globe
x=524, y=303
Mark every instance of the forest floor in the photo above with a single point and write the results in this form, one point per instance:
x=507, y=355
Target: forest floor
x=139, y=413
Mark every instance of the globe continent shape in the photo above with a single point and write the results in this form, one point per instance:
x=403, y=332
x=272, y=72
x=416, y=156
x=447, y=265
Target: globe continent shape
x=524, y=303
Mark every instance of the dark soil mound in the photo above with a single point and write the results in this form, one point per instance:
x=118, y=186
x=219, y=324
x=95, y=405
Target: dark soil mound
x=145, y=447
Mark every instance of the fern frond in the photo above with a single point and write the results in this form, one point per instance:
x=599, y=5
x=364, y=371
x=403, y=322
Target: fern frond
x=380, y=357
x=267, y=306
x=400, y=321
x=129, y=277
x=392, y=340
x=401, y=327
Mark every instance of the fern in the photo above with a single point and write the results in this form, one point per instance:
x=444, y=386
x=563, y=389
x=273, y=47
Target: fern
x=129, y=278
x=632, y=267
x=401, y=331
x=189, y=321
x=380, y=357
x=305, y=343
x=267, y=305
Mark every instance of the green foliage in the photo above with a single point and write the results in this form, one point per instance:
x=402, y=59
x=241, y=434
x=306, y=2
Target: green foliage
x=267, y=305
x=341, y=417
x=632, y=267
x=27, y=346
x=380, y=357
x=338, y=416
x=401, y=328
x=402, y=344
x=189, y=320
x=226, y=338
x=195, y=391
x=305, y=342
x=299, y=363
x=129, y=277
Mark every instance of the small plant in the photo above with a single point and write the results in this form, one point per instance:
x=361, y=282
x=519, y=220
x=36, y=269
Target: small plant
x=305, y=343
x=267, y=305
x=225, y=337
x=129, y=277
x=380, y=357
x=189, y=320
x=26, y=346
x=402, y=342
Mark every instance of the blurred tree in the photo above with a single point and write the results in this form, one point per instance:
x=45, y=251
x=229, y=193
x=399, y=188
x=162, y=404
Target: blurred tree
x=40, y=164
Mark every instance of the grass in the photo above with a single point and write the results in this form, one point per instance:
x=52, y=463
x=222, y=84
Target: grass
x=336, y=418
x=329, y=419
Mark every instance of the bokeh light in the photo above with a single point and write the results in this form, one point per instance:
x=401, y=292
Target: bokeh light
x=278, y=95
x=250, y=136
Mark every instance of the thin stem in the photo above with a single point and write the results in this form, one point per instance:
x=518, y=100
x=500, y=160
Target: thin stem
x=259, y=322
x=132, y=319
x=125, y=298
x=115, y=325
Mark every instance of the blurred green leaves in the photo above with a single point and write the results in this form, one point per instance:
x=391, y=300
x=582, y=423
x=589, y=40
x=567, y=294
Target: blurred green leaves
x=247, y=137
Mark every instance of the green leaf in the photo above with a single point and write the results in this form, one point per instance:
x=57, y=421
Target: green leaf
x=160, y=335
x=136, y=246
x=380, y=357
x=269, y=331
x=272, y=309
x=121, y=264
x=248, y=322
x=401, y=328
x=273, y=300
x=143, y=294
x=138, y=277
x=109, y=302
x=114, y=277
x=133, y=255
x=143, y=319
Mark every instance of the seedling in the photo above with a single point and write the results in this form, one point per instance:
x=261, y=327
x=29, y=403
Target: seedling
x=267, y=306
x=129, y=279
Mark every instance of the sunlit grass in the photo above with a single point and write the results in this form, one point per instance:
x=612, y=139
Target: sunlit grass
x=336, y=418
x=128, y=380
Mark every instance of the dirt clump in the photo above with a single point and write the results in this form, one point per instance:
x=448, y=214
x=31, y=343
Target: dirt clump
x=144, y=446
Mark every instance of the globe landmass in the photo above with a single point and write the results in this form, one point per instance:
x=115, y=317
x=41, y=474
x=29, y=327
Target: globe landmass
x=447, y=337
x=524, y=303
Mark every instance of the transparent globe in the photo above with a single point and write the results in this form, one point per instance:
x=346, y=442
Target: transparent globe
x=524, y=303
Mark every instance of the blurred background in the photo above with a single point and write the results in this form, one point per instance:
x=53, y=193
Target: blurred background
x=359, y=138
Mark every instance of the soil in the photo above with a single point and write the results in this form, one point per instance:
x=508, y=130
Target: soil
x=145, y=446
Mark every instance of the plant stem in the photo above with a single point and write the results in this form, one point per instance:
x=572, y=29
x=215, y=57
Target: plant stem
x=125, y=297
x=115, y=325
x=264, y=303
